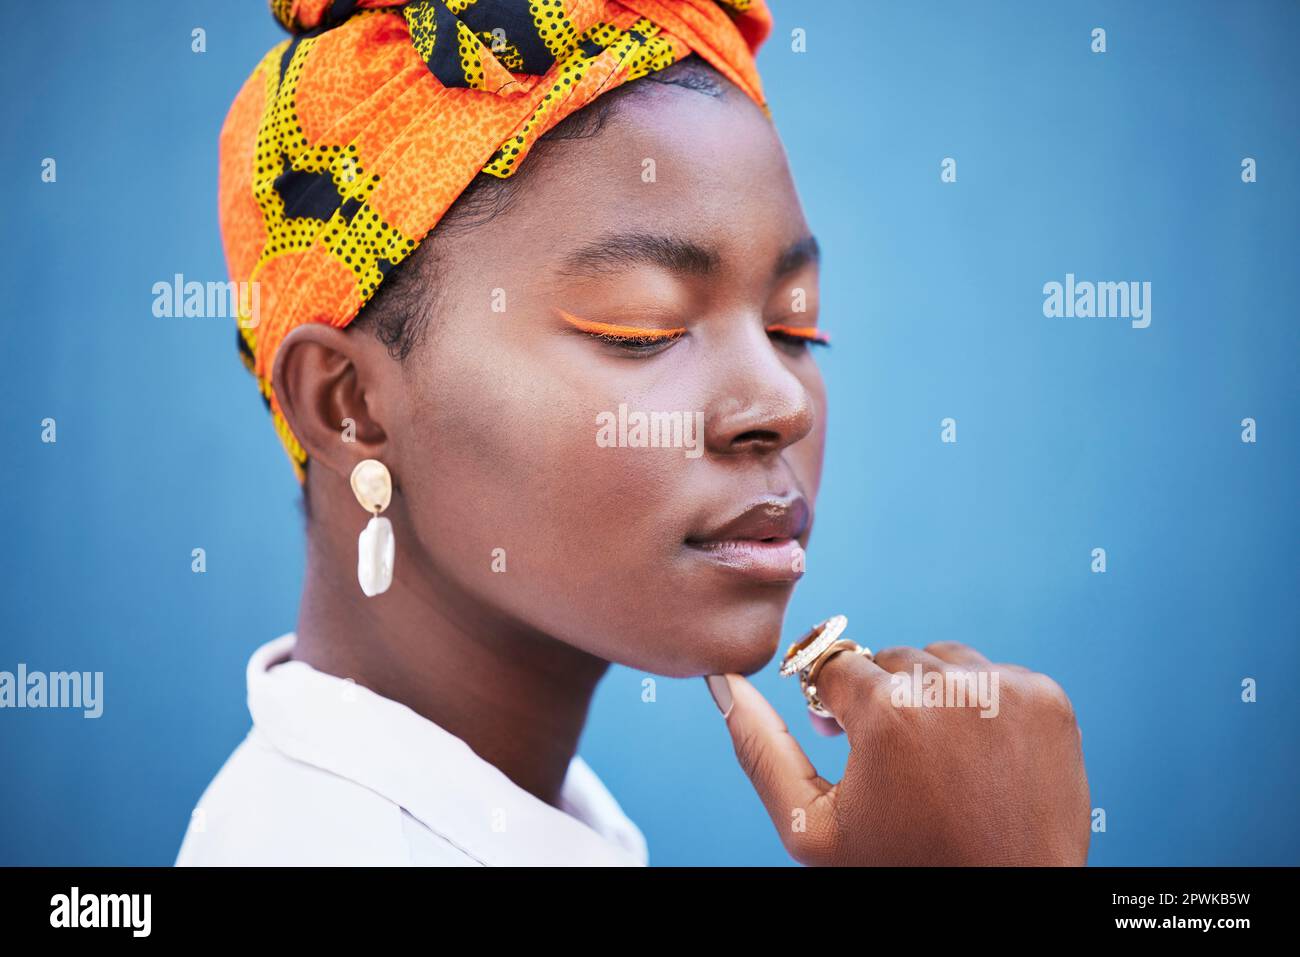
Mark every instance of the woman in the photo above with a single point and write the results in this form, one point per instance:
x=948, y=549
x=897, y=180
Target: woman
x=482, y=266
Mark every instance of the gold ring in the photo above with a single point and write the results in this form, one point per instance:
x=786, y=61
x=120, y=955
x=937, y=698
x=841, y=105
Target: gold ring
x=804, y=651
x=808, y=677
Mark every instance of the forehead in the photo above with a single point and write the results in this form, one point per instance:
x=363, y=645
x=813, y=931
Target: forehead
x=667, y=161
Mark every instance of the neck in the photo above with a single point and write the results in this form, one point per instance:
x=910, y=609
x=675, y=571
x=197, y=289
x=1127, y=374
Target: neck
x=517, y=697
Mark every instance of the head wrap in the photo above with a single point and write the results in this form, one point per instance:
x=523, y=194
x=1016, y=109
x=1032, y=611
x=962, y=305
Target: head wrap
x=350, y=141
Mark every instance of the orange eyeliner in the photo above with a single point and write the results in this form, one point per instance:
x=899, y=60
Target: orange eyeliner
x=618, y=332
x=811, y=333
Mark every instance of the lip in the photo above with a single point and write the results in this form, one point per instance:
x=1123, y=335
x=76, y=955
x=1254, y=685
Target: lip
x=761, y=543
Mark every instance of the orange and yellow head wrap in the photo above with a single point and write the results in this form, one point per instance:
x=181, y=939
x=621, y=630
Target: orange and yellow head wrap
x=350, y=141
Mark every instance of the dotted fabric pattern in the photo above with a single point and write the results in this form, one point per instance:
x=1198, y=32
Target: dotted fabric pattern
x=350, y=140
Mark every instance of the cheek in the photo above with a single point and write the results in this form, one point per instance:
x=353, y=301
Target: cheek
x=509, y=460
x=501, y=453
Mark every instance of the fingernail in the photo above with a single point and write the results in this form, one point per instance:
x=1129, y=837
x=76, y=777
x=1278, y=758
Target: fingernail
x=720, y=688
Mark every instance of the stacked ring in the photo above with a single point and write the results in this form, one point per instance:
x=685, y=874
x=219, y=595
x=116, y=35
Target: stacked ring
x=803, y=652
x=808, y=678
x=807, y=656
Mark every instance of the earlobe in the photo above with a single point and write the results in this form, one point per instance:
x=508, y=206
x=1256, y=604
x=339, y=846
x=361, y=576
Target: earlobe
x=324, y=381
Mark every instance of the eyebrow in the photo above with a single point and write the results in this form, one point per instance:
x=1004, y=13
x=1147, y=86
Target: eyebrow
x=800, y=253
x=623, y=250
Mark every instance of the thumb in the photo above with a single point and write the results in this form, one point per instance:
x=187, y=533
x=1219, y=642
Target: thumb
x=781, y=773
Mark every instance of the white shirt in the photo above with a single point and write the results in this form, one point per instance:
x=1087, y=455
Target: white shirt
x=333, y=774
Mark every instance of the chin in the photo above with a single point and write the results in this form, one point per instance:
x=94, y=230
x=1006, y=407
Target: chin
x=742, y=639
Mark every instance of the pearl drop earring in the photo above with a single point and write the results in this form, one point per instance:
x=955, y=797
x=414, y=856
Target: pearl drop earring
x=373, y=487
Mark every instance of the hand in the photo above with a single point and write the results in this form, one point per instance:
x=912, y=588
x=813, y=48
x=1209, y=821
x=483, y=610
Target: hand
x=924, y=785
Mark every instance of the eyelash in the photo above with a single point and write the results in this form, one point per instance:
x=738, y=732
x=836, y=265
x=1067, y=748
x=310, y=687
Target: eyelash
x=809, y=335
x=636, y=339
x=639, y=343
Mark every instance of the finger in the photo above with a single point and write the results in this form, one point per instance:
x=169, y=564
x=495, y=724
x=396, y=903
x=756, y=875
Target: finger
x=846, y=683
x=903, y=657
x=955, y=653
x=1007, y=666
x=776, y=766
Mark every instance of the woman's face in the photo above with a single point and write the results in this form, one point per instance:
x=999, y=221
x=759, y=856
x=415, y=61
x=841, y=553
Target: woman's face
x=680, y=214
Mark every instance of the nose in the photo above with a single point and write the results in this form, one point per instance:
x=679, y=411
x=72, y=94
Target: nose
x=759, y=406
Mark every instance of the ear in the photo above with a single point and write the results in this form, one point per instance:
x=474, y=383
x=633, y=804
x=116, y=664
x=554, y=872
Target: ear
x=329, y=385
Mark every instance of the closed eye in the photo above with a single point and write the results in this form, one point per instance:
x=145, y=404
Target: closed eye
x=800, y=335
x=636, y=338
x=643, y=340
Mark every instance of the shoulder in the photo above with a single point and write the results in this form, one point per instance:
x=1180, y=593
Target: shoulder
x=264, y=808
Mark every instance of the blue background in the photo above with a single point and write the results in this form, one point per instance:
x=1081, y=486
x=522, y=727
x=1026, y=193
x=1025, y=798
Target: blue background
x=1072, y=433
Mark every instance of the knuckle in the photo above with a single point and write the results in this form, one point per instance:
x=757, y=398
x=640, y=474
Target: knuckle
x=1009, y=670
x=939, y=647
x=1050, y=696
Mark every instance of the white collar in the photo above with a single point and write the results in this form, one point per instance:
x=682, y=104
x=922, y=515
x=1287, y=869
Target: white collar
x=342, y=727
